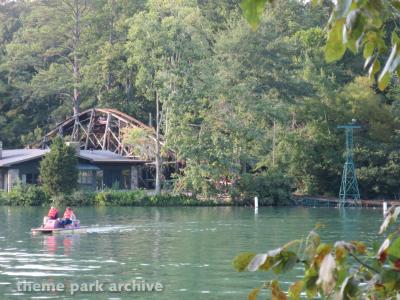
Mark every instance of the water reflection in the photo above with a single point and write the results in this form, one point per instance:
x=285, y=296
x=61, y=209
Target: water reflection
x=50, y=244
x=65, y=243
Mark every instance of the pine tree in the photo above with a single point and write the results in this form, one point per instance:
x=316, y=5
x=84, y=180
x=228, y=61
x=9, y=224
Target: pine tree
x=58, y=170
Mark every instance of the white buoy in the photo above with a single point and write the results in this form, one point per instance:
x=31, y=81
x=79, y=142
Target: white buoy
x=384, y=208
x=255, y=202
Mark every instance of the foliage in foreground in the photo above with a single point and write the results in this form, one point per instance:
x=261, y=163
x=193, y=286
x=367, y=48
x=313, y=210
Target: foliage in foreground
x=354, y=25
x=343, y=270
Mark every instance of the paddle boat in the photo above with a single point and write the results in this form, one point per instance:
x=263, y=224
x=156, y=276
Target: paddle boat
x=54, y=226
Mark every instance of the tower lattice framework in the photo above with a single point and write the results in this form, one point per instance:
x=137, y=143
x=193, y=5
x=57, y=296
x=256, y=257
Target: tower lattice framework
x=349, y=194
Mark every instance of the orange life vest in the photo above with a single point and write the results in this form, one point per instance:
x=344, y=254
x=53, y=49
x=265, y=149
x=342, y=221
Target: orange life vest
x=68, y=214
x=53, y=212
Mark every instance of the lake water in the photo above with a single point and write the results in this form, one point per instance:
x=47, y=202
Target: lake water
x=186, y=250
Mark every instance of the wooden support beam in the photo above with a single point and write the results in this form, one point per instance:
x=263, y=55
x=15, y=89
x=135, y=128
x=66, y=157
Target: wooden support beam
x=106, y=132
x=90, y=127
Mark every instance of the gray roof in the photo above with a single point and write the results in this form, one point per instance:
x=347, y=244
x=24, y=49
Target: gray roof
x=98, y=156
x=16, y=156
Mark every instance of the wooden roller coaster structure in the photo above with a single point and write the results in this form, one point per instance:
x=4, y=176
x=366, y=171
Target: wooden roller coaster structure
x=97, y=129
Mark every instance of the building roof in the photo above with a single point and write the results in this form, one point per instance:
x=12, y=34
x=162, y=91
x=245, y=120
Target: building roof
x=105, y=156
x=16, y=156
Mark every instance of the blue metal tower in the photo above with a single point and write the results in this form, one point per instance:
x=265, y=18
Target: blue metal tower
x=349, y=194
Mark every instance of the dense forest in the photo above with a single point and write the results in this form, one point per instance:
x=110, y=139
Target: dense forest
x=248, y=112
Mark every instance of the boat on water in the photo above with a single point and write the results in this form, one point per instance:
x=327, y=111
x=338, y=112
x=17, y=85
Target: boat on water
x=55, y=227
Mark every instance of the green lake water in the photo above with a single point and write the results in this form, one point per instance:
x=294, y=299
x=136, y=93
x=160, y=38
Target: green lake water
x=187, y=250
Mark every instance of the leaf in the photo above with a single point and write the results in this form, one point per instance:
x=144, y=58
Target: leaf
x=382, y=252
x=286, y=261
x=396, y=4
x=355, y=24
x=263, y=261
x=275, y=252
x=314, y=3
x=290, y=261
x=368, y=61
x=391, y=217
x=253, y=294
x=341, y=8
x=360, y=247
x=277, y=293
x=348, y=289
x=322, y=251
x=391, y=65
x=374, y=69
x=252, y=11
x=389, y=278
x=256, y=262
x=335, y=49
x=368, y=50
x=241, y=261
x=340, y=253
x=339, y=296
x=346, y=245
x=312, y=242
x=326, y=275
x=384, y=80
x=394, y=38
x=267, y=265
x=394, y=249
x=310, y=278
x=295, y=290
x=396, y=264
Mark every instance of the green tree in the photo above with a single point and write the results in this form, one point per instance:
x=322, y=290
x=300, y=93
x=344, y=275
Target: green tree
x=240, y=102
x=142, y=140
x=58, y=169
x=165, y=46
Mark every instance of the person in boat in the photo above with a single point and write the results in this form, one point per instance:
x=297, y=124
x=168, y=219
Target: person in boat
x=68, y=217
x=51, y=215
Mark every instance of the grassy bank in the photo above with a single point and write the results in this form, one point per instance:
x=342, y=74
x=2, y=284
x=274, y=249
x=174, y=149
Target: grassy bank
x=30, y=195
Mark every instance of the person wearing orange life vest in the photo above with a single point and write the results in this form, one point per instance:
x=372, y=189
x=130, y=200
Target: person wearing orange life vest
x=53, y=213
x=68, y=216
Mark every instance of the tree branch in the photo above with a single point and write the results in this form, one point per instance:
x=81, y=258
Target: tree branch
x=363, y=263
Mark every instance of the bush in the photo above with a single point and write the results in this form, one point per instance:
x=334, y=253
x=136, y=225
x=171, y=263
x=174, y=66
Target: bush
x=3, y=198
x=271, y=187
x=26, y=195
x=140, y=198
x=77, y=198
x=120, y=198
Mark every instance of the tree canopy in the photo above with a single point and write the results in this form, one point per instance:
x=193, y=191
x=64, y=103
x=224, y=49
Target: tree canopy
x=237, y=106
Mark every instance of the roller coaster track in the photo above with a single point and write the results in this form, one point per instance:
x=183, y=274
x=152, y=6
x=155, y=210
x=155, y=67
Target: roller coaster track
x=97, y=129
